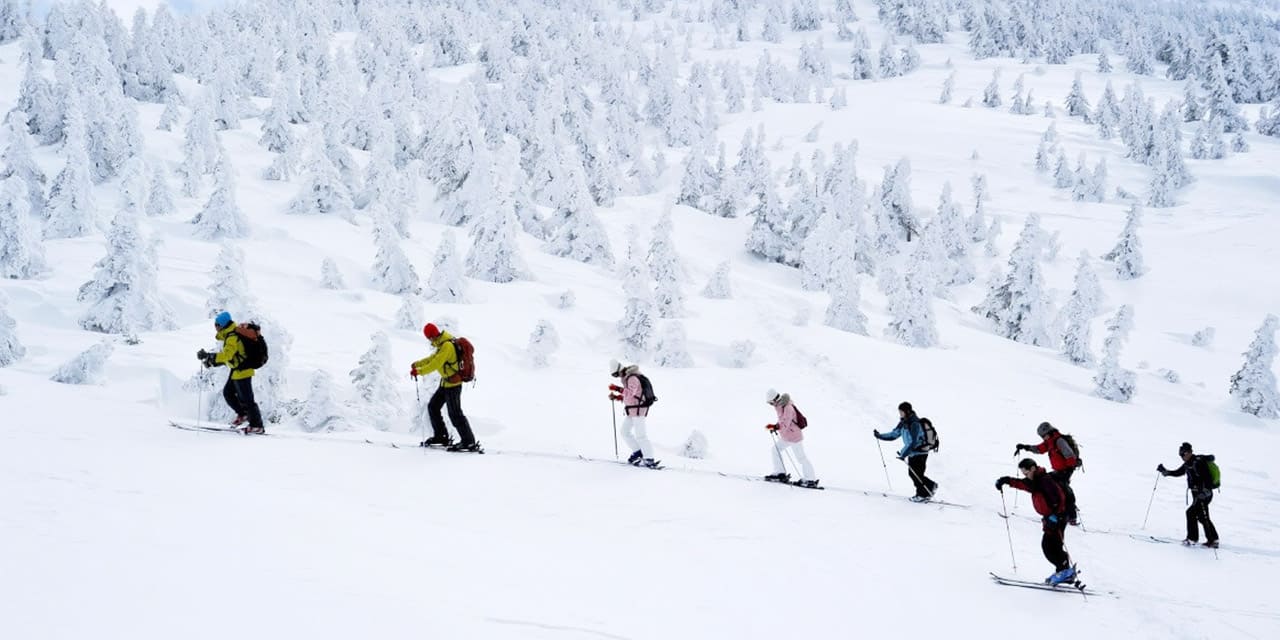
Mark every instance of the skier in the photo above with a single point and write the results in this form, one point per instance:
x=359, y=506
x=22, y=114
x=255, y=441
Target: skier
x=913, y=451
x=1200, y=483
x=636, y=396
x=445, y=361
x=1051, y=503
x=790, y=437
x=1062, y=457
x=238, y=391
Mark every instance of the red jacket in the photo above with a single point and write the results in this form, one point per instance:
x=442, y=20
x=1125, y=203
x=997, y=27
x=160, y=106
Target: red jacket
x=1046, y=494
x=1061, y=455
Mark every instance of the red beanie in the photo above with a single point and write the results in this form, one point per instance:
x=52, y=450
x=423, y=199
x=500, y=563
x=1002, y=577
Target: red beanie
x=431, y=331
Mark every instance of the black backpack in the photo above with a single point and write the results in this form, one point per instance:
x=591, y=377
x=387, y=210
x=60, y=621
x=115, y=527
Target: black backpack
x=646, y=391
x=255, y=346
x=928, y=436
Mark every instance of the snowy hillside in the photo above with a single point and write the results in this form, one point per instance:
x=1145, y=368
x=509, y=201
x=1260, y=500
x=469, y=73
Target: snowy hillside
x=1001, y=212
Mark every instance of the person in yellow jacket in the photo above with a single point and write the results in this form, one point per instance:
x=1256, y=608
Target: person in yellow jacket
x=444, y=361
x=238, y=391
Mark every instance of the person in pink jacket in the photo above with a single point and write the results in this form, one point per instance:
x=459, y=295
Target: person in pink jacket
x=790, y=437
x=635, y=405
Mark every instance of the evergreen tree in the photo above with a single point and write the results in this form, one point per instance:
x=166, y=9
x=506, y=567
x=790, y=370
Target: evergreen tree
x=11, y=349
x=21, y=249
x=818, y=251
x=666, y=270
x=124, y=295
x=1192, y=109
x=1063, y=177
x=1112, y=381
x=860, y=65
x=1220, y=103
x=1269, y=120
x=409, y=315
x=229, y=289
x=159, y=197
x=324, y=192
x=1018, y=304
x=957, y=266
x=1098, y=181
x=911, y=305
x=1076, y=104
x=896, y=196
x=1107, y=115
x=718, y=286
x=276, y=135
x=978, y=221
x=671, y=349
x=1239, y=144
x=221, y=216
x=1081, y=308
x=1104, y=62
x=991, y=95
x=16, y=162
x=199, y=148
x=948, y=86
x=87, y=367
x=636, y=325
x=171, y=113
x=1253, y=386
x=844, y=311
x=770, y=236
x=330, y=276
x=576, y=230
x=70, y=209
x=543, y=342
x=392, y=271
x=446, y=284
x=698, y=186
x=321, y=412
x=1127, y=254
x=376, y=396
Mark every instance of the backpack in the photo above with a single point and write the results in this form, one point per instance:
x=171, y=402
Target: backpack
x=465, y=353
x=255, y=346
x=1215, y=474
x=801, y=421
x=646, y=391
x=928, y=436
x=1071, y=441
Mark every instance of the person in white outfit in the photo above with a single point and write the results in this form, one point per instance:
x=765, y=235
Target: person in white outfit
x=636, y=395
x=790, y=438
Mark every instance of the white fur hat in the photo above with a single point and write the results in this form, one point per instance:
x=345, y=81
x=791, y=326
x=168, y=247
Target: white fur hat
x=614, y=367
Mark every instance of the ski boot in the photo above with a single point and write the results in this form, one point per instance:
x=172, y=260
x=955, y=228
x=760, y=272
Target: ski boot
x=636, y=457
x=240, y=419
x=650, y=463
x=1066, y=575
x=1211, y=544
x=778, y=477
x=919, y=498
x=466, y=447
x=808, y=484
x=1190, y=543
x=251, y=431
x=437, y=441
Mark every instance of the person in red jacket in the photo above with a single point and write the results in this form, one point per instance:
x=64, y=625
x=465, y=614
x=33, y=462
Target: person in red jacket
x=1050, y=502
x=1064, y=460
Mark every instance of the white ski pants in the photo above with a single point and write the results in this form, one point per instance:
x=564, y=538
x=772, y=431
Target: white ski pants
x=797, y=449
x=633, y=433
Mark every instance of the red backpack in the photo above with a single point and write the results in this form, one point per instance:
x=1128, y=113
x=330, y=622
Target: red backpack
x=465, y=353
x=801, y=421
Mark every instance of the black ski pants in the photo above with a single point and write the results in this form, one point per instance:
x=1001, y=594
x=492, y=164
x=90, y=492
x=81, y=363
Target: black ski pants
x=915, y=468
x=451, y=397
x=239, y=396
x=1054, y=543
x=1198, y=514
x=1064, y=478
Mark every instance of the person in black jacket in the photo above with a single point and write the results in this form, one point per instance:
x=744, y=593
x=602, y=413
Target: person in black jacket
x=1199, y=481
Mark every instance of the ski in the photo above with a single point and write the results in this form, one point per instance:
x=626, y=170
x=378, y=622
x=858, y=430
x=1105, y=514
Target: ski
x=1070, y=587
x=658, y=466
x=211, y=428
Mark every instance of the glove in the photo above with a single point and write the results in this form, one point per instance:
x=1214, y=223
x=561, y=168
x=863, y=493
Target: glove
x=1051, y=519
x=201, y=355
x=1000, y=483
x=1161, y=469
x=209, y=360
x=771, y=427
x=902, y=457
x=413, y=371
x=875, y=432
x=616, y=388
x=615, y=397
x=1020, y=448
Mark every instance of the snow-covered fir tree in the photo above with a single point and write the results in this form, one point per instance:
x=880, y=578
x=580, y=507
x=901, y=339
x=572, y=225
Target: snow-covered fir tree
x=18, y=164
x=409, y=314
x=1076, y=104
x=718, y=286
x=21, y=249
x=991, y=95
x=124, y=295
x=576, y=233
x=221, y=216
x=228, y=287
x=1098, y=181
x=1254, y=385
x=330, y=275
x=446, y=283
x=1018, y=305
x=977, y=222
x=699, y=184
x=495, y=254
x=159, y=196
x=1081, y=308
x=771, y=234
x=1063, y=177
x=1220, y=100
x=844, y=312
x=171, y=113
x=1269, y=120
x=323, y=192
x=70, y=210
x=374, y=380
x=989, y=246
x=1127, y=254
x=666, y=270
x=199, y=148
x=1192, y=109
x=957, y=268
x=911, y=321
x=861, y=66
x=671, y=347
x=1104, y=62
x=11, y=349
x=321, y=411
x=1112, y=381
x=89, y=367
x=392, y=270
x=948, y=87
x=895, y=193
x=543, y=342
x=818, y=251
x=637, y=323
x=1239, y=144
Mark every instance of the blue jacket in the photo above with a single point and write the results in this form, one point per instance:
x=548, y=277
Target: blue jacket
x=912, y=434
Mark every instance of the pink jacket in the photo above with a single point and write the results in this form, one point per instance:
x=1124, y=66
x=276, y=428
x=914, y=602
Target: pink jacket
x=788, y=430
x=632, y=392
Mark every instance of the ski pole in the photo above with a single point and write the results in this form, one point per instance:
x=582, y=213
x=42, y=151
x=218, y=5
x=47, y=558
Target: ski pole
x=918, y=478
x=1007, y=532
x=613, y=411
x=416, y=392
x=778, y=450
x=199, y=395
x=1150, y=502
x=880, y=448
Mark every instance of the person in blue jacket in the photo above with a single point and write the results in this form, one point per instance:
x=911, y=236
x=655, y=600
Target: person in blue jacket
x=912, y=452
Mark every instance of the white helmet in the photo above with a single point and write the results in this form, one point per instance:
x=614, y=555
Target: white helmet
x=771, y=396
x=615, y=367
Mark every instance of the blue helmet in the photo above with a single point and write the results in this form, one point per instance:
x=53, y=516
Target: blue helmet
x=222, y=320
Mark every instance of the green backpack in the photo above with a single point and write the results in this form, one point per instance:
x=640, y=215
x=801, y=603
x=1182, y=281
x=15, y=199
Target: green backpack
x=1215, y=475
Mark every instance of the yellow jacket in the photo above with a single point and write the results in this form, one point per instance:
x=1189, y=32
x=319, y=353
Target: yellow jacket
x=444, y=361
x=232, y=353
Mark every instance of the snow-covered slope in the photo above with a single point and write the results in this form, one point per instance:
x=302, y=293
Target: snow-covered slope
x=113, y=524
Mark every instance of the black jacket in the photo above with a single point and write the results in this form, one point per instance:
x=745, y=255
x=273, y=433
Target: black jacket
x=1197, y=472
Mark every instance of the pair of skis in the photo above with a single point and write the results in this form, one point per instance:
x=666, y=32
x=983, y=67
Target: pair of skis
x=796, y=483
x=1074, y=586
